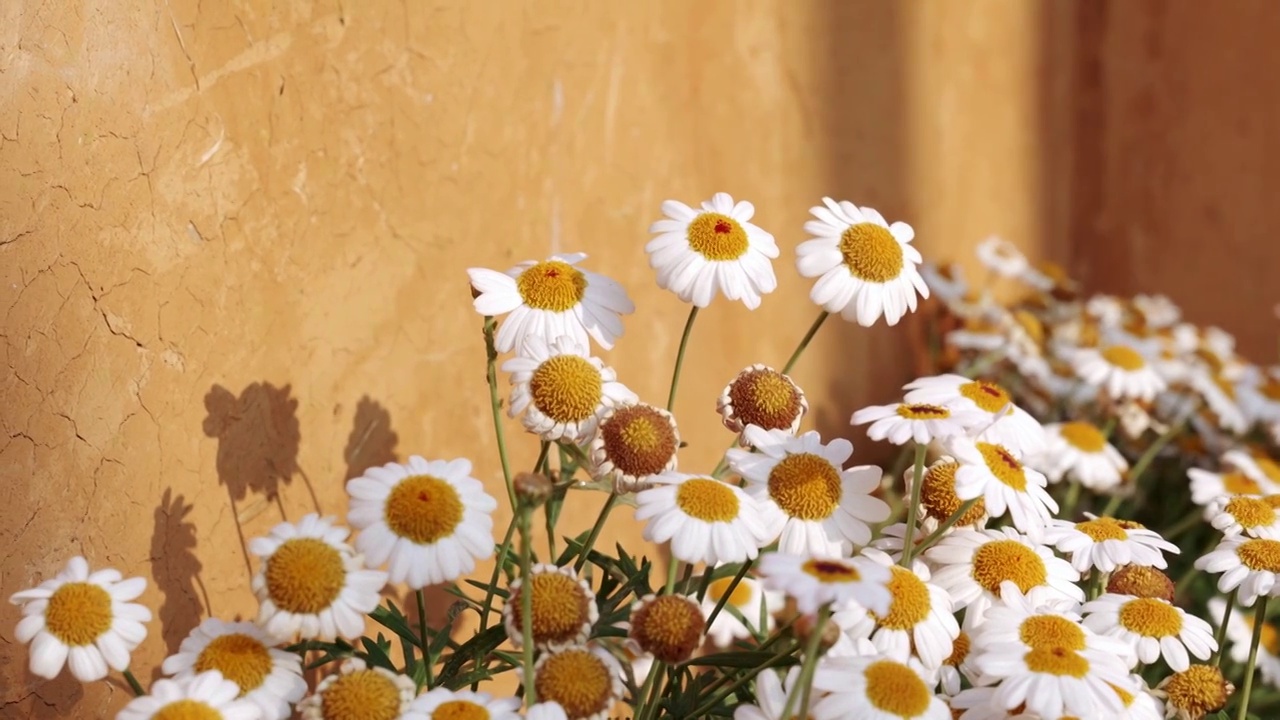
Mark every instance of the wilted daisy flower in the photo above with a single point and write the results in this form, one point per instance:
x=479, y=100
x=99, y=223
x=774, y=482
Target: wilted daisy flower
x=207, y=696
x=698, y=254
x=919, y=423
x=669, y=627
x=1207, y=486
x=971, y=565
x=443, y=704
x=815, y=581
x=749, y=599
x=266, y=676
x=806, y=499
x=994, y=473
x=764, y=397
x=564, y=608
x=83, y=620
x=1079, y=451
x=551, y=298
x=311, y=583
x=1000, y=421
x=771, y=698
x=633, y=443
x=1106, y=543
x=430, y=520
x=561, y=389
x=586, y=682
x=1235, y=514
x=938, y=499
x=1002, y=257
x=1120, y=370
x=359, y=692
x=705, y=520
x=1240, y=639
x=865, y=267
x=1250, y=564
x=876, y=688
x=1140, y=581
x=1152, y=627
x=1194, y=692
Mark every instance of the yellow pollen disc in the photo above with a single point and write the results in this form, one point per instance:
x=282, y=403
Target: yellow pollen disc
x=1050, y=631
x=240, y=658
x=1123, y=357
x=361, y=695
x=639, y=440
x=805, y=486
x=459, y=710
x=1237, y=483
x=959, y=649
x=1251, y=512
x=989, y=396
x=576, y=679
x=305, y=575
x=1008, y=560
x=717, y=237
x=829, y=571
x=1083, y=436
x=1004, y=466
x=707, y=500
x=423, y=509
x=766, y=398
x=561, y=607
x=1150, y=618
x=669, y=626
x=871, y=252
x=1031, y=324
x=78, y=612
x=1056, y=661
x=910, y=605
x=938, y=495
x=1198, y=690
x=896, y=689
x=739, y=598
x=552, y=285
x=1103, y=528
x=567, y=388
x=923, y=412
x=1260, y=554
x=187, y=710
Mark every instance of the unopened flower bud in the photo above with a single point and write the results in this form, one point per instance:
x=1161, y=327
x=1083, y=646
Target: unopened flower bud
x=532, y=489
x=1140, y=581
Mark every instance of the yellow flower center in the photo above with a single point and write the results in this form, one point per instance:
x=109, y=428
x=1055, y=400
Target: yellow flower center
x=1268, y=468
x=910, y=604
x=1237, y=483
x=717, y=237
x=896, y=689
x=305, y=575
x=1103, y=528
x=576, y=679
x=1260, y=554
x=740, y=596
x=805, y=486
x=1008, y=560
x=241, y=659
x=669, y=626
x=766, y=398
x=938, y=495
x=830, y=571
x=78, y=612
x=1003, y=465
x=423, y=509
x=1198, y=690
x=187, y=710
x=1270, y=639
x=707, y=500
x=361, y=695
x=1151, y=618
x=986, y=395
x=1050, y=631
x=1123, y=357
x=1056, y=661
x=960, y=647
x=567, y=388
x=1250, y=511
x=871, y=252
x=923, y=412
x=552, y=285
x=561, y=607
x=639, y=440
x=459, y=710
x=1083, y=436
x=1272, y=500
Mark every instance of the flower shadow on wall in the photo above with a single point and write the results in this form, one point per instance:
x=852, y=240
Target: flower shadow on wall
x=372, y=442
x=176, y=570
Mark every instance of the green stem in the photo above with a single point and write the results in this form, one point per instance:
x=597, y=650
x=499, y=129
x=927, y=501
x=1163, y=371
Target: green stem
x=733, y=585
x=907, y=548
x=503, y=550
x=1072, y=499
x=1221, y=638
x=1112, y=505
x=490, y=326
x=805, y=680
x=423, y=636
x=804, y=342
x=526, y=603
x=671, y=575
x=684, y=343
x=595, y=531
x=1259, y=616
x=134, y=684
x=649, y=692
x=542, y=456
x=950, y=522
x=705, y=708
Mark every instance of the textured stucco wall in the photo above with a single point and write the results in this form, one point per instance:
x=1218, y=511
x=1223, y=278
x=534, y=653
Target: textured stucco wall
x=233, y=242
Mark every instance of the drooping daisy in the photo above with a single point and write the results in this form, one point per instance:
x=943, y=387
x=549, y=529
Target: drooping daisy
x=633, y=443
x=586, y=682
x=749, y=599
x=919, y=423
x=561, y=389
x=1002, y=257
x=443, y=704
x=1002, y=421
x=994, y=473
x=207, y=696
x=1207, y=486
x=564, y=608
x=762, y=396
x=972, y=565
x=1152, y=627
x=266, y=676
x=359, y=692
x=938, y=499
x=698, y=254
x=1240, y=638
x=1120, y=370
x=311, y=583
x=551, y=298
x=771, y=698
x=705, y=520
x=1061, y=676
x=876, y=688
x=1106, y=543
x=1250, y=564
x=807, y=500
x=1079, y=451
x=1248, y=514
x=865, y=266
x=1195, y=692
x=815, y=581
x=430, y=520
x=669, y=627
x=82, y=620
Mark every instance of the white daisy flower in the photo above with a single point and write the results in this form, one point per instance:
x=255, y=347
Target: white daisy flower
x=1207, y=486
x=266, y=676
x=957, y=666
x=1220, y=399
x=207, y=696
x=1152, y=627
x=551, y=298
x=1158, y=311
x=311, y=583
x=1235, y=514
x=564, y=608
x=1078, y=450
x=994, y=473
x=357, y=691
x=82, y=620
x=972, y=565
x=632, y=443
x=1108, y=309
x=1240, y=638
x=921, y=424
x=947, y=282
x=771, y=698
x=584, y=681
x=546, y=711
x=1051, y=680
x=816, y=581
x=876, y=688
x=1105, y=543
x=749, y=599
x=561, y=389
x=1001, y=421
x=1250, y=564
x=1260, y=399
x=429, y=519
x=764, y=397
x=1041, y=619
x=806, y=499
x=1257, y=466
x=1002, y=257
x=705, y=520
x=1119, y=370
x=1139, y=701
x=698, y=254
x=444, y=704
x=866, y=267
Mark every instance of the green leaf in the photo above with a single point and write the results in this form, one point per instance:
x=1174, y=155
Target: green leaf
x=741, y=659
x=392, y=619
x=377, y=653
